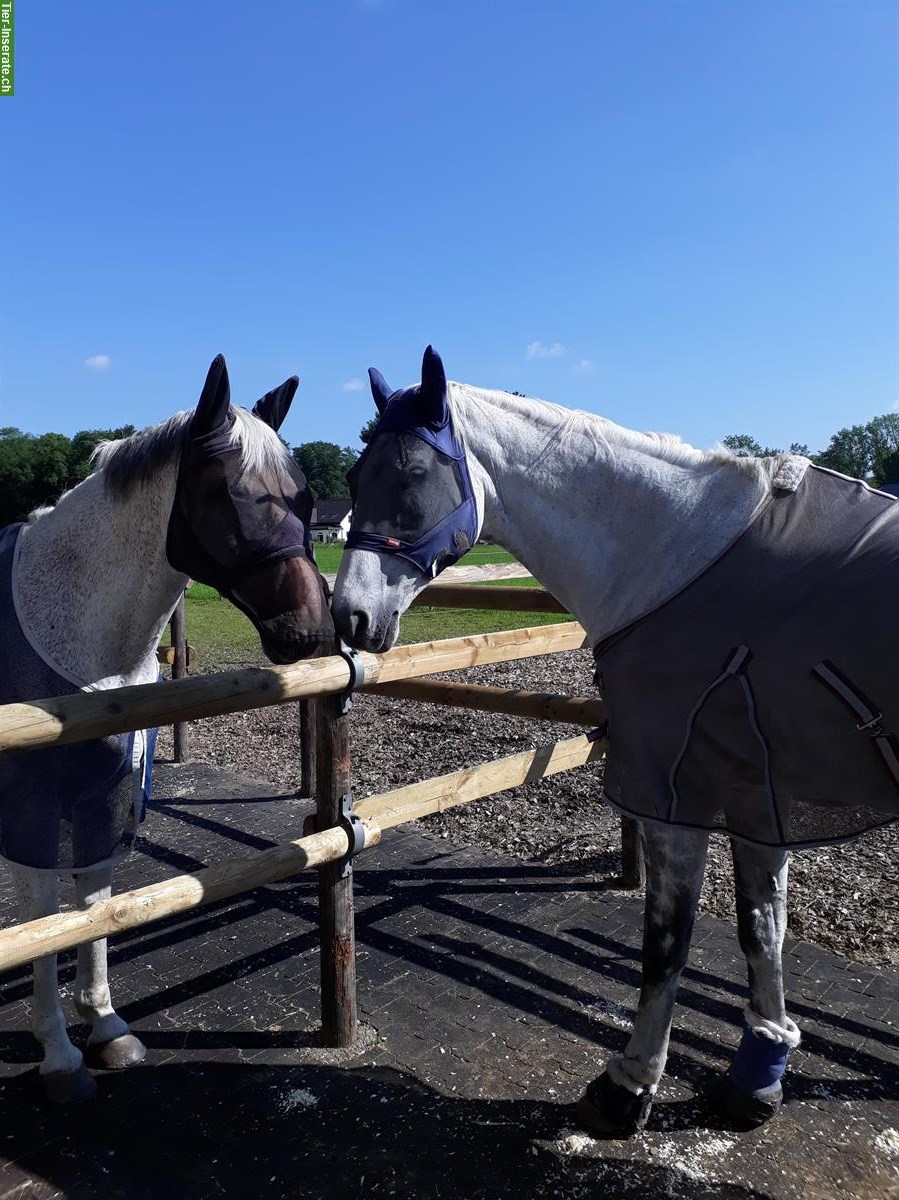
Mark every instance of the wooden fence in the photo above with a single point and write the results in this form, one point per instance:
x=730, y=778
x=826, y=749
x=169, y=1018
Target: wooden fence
x=320, y=686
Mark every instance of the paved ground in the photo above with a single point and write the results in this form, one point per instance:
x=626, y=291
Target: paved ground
x=491, y=991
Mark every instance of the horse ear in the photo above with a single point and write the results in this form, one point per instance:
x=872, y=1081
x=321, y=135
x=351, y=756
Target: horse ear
x=433, y=389
x=274, y=405
x=212, y=408
x=380, y=389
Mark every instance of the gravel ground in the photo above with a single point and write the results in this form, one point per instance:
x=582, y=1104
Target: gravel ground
x=845, y=898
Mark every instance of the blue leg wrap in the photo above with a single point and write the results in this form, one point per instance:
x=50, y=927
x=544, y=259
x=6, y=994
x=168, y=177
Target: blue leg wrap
x=760, y=1062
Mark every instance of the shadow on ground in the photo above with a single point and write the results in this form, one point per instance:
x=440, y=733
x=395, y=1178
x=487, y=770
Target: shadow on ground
x=212, y=1130
x=497, y=990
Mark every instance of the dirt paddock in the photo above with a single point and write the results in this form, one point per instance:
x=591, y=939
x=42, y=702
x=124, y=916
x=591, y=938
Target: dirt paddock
x=843, y=897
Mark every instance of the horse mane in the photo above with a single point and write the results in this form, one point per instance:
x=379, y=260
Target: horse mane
x=130, y=462
x=666, y=446
x=37, y=513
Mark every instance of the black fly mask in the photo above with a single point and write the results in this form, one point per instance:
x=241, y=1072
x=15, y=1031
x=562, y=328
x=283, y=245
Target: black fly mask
x=230, y=522
x=225, y=522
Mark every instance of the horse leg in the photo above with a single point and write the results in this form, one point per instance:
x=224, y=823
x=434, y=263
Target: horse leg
x=62, y=1071
x=111, y=1044
x=751, y=1091
x=618, y=1102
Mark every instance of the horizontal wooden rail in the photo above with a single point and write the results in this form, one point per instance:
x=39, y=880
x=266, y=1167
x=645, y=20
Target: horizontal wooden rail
x=165, y=655
x=505, y=599
x=21, y=944
x=471, y=573
x=540, y=706
x=473, y=783
x=62, y=720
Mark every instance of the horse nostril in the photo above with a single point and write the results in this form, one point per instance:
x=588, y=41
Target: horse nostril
x=358, y=625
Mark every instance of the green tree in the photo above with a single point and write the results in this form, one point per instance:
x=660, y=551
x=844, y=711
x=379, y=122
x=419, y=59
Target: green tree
x=83, y=445
x=883, y=434
x=367, y=432
x=848, y=452
x=16, y=474
x=50, y=469
x=862, y=451
x=889, y=469
x=745, y=445
x=325, y=465
x=36, y=470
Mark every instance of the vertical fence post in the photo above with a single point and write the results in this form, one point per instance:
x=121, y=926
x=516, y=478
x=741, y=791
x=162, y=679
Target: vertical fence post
x=179, y=670
x=335, y=890
x=308, y=742
x=633, y=867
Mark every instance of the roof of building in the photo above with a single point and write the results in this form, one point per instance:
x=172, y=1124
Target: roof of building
x=330, y=512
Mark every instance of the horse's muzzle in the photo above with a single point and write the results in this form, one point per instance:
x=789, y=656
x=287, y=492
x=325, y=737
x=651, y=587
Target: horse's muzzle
x=288, y=604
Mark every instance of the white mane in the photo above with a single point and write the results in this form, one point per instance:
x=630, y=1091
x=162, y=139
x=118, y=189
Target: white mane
x=131, y=461
x=562, y=421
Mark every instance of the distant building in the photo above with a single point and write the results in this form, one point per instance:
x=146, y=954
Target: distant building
x=330, y=520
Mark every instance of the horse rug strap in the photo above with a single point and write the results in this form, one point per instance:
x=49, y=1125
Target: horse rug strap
x=68, y=807
x=763, y=698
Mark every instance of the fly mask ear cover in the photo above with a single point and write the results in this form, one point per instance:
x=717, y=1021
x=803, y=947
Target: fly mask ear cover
x=226, y=521
x=433, y=535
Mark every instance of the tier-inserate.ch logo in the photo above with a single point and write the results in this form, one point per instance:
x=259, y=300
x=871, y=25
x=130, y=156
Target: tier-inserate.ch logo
x=7, y=49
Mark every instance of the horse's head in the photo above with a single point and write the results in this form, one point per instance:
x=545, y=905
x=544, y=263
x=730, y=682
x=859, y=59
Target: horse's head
x=414, y=508
x=240, y=519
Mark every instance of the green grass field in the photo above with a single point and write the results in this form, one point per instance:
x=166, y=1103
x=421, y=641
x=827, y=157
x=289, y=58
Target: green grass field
x=220, y=634
x=328, y=557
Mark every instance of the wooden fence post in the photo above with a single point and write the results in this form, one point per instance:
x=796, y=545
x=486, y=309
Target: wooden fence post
x=337, y=936
x=633, y=867
x=308, y=744
x=179, y=670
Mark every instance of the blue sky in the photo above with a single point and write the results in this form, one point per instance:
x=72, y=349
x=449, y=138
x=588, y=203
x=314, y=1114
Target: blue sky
x=681, y=215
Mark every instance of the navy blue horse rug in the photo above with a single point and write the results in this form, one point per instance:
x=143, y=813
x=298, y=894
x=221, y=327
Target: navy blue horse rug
x=764, y=697
x=68, y=807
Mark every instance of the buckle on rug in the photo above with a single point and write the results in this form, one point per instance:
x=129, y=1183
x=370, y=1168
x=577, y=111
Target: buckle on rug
x=873, y=728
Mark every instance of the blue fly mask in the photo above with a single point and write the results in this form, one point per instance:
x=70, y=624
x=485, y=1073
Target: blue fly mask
x=411, y=489
x=245, y=531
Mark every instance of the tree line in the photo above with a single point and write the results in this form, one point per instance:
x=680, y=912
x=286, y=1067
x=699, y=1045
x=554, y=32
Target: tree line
x=36, y=469
x=869, y=452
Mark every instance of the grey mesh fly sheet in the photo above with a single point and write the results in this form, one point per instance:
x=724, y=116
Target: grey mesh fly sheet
x=68, y=807
x=764, y=697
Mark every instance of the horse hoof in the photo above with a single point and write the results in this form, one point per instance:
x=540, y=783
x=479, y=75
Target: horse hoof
x=746, y=1109
x=607, y=1109
x=69, y=1087
x=117, y=1054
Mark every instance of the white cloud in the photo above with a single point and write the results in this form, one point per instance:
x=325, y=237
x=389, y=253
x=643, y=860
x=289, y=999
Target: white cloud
x=98, y=362
x=353, y=385
x=542, y=350
x=584, y=367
